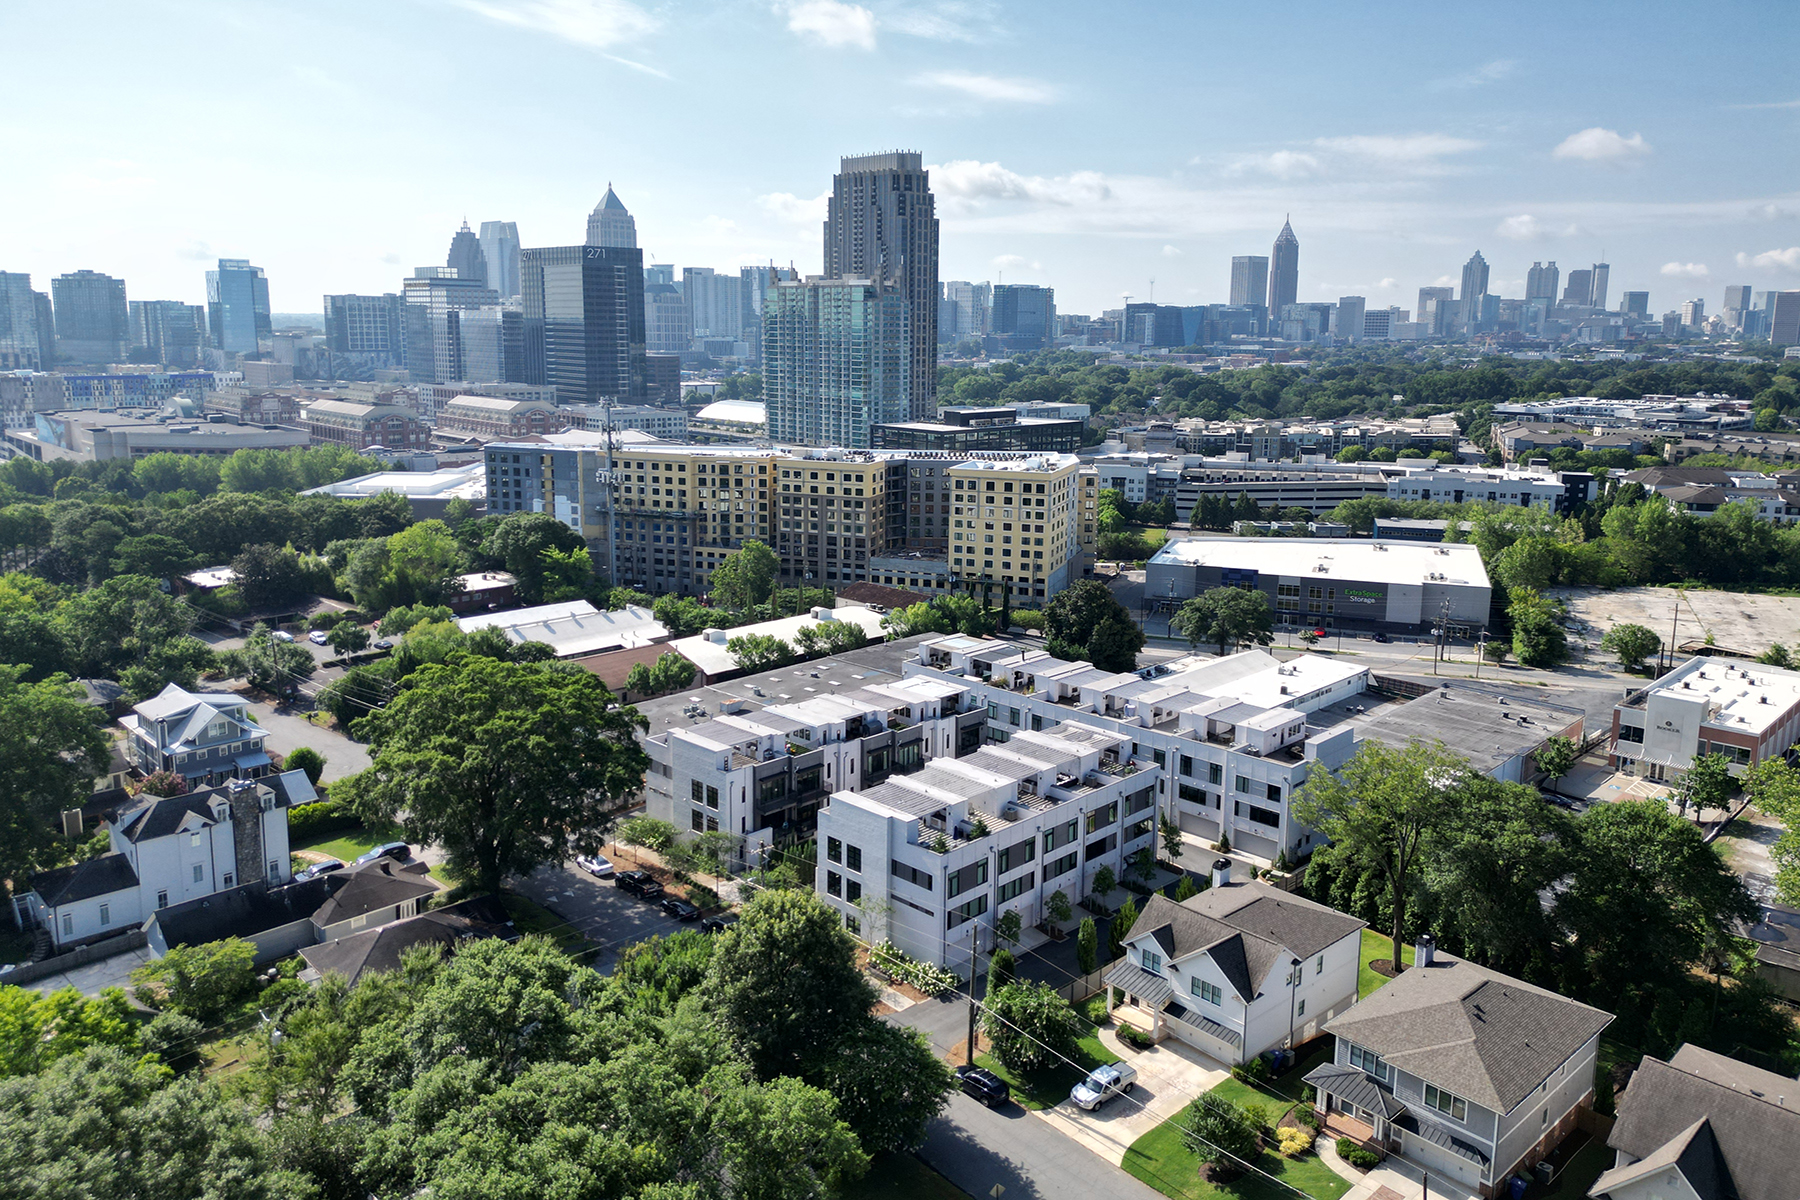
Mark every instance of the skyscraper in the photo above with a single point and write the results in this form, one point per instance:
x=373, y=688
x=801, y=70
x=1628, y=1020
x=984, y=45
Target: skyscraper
x=500, y=246
x=667, y=326
x=174, y=332
x=974, y=303
x=836, y=361
x=1784, y=318
x=1284, y=269
x=1435, y=304
x=584, y=320
x=1249, y=280
x=1541, y=281
x=715, y=302
x=466, y=257
x=237, y=306
x=93, y=321
x=371, y=329
x=881, y=225
x=1597, y=284
x=610, y=224
x=1024, y=316
x=1737, y=303
x=1474, y=287
x=20, y=348
x=435, y=296
x=1350, y=318
x=1635, y=304
x=1580, y=289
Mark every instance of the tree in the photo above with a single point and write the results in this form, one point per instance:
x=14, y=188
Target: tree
x=505, y=765
x=1707, y=783
x=1777, y=655
x=1171, y=835
x=164, y=784
x=1002, y=970
x=1029, y=1026
x=916, y=619
x=683, y=616
x=269, y=576
x=1074, y=621
x=1009, y=926
x=1057, y=907
x=1556, y=757
x=759, y=652
x=305, y=758
x=671, y=672
x=648, y=832
x=274, y=666
x=401, y=621
x=1220, y=1134
x=784, y=982
x=1772, y=787
x=157, y=555
x=347, y=637
x=1115, y=644
x=1632, y=643
x=202, y=982
x=518, y=543
x=1377, y=811
x=37, y=1029
x=746, y=577
x=1538, y=638
x=109, y=627
x=889, y=1083
x=1120, y=928
x=1186, y=889
x=1229, y=616
x=1104, y=882
x=51, y=750
x=638, y=680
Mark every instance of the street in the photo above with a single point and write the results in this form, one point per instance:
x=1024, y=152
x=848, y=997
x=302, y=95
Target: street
x=598, y=910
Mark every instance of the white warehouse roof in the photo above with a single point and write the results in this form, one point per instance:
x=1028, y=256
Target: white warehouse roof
x=1311, y=558
x=573, y=628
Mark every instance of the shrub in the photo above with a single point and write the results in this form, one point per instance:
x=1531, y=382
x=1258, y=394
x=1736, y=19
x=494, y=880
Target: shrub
x=1308, y=1116
x=1131, y=1035
x=305, y=758
x=929, y=978
x=1030, y=1025
x=1355, y=1155
x=1002, y=970
x=1294, y=1142
x=314, y=820
x=1219, y=1133
x=1254, y=1071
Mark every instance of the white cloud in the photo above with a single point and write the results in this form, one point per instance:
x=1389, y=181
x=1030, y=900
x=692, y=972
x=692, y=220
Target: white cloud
x=1016, y=262
x=943, y=21
x=1487, y=73
x=833, y=24
x=1681, y=270
x=788, y=207
x=596, y=24
x=198, y=251
x=1772, y=212
x=969, y=183
x=1446, y=281
x=1282, y=164
x=1522, y=228
x=991, y=87
x=1786, y=260
x=1410, y=148
x=1601, y=145
x=1171, y=252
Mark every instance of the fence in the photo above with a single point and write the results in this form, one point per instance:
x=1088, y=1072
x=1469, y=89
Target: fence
x=81, y=956
x=1083, y=986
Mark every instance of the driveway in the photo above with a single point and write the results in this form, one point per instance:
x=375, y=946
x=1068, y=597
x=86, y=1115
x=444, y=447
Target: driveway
x=598, y=910
x=977, y=1148
x=286, y=731
x=95, y=977
x=1170, y=1076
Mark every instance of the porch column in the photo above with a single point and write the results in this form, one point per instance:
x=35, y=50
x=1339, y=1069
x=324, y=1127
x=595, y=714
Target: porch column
x=1109, y=1000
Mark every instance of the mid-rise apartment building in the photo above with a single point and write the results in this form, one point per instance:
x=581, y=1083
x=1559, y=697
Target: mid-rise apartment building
x=1017, y=522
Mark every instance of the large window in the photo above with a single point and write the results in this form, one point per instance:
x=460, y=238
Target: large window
x=911, y=874
x=1454, y=1107
x=1060, y=866
x=1371, y=1063
x=853, y=857
x=1017, y=887
x=834, y=849
x=967, y=912
x=1152, y=962
x=1208, y=992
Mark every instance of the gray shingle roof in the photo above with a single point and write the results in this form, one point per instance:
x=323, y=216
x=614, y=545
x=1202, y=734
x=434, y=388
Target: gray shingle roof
x=367, y=888
x=1751, y=1117
x=161, y=817
x=243, y=911
x=1244, y=928
x=1485, y=1036
x=84, y=880
x=381, y=949
x=1303, y=926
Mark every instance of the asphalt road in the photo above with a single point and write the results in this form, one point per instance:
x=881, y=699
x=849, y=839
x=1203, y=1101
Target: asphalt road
x=286, y=730
x=606, y=916
x=977, y=1147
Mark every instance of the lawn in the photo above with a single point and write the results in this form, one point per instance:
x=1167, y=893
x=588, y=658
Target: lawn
x=530, y=917
x=1160, y=1160
x=1047, y=1087
x=902, y=1177
x=1374, y=946
x=345, y=844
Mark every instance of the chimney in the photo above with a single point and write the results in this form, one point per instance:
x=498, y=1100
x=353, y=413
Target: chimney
x=1424, y=950
x=1221, y=872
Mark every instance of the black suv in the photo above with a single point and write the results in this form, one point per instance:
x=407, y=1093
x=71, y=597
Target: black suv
x=719, y=923
x=984, y=1086
x=641, y=884
x=680, y=909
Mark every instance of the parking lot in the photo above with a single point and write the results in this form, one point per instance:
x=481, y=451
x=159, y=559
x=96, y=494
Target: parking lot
x=1734, y=619
x=597, y=909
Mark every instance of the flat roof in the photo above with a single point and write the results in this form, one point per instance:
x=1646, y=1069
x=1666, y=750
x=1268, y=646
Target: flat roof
x=573, y=628
x=1746, y=696
x=1378, y=561
x=1486, y=725
x=714, y=659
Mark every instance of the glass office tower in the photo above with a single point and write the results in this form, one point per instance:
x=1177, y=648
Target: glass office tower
x=584, y=321
x=237, y=306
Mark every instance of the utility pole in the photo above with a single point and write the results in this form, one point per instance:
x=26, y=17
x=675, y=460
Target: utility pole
x=606, y=479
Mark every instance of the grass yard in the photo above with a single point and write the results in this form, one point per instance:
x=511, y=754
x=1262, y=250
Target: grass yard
x=902, y=1177
x=1160, y=1160
x=1047, y=1087
x=531, y=917
x=345, y=844
x=1374, y=946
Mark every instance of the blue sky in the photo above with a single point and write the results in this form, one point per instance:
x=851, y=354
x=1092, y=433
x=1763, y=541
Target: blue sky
x=1092, y=147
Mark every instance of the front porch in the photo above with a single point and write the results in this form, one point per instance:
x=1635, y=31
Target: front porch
x=1337, y=1124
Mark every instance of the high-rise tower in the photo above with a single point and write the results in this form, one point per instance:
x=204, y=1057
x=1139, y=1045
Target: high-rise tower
x=1284, y=270
x=21, y=342
x=610, y=224
x=882, y=225
x=1597, y=285
x=500, y=246
x=1541, y=281
x=1249, y=280
x=466, y=256
x=237, y=306
x=584, y=320
x=93, y=320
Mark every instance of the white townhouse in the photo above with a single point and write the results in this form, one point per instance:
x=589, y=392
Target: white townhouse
x=1466, y=1072
x=169, y=851
x=205, y=737
x=931, y=859
x=1240, y=968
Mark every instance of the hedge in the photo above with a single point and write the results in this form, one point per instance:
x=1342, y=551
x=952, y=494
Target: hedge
x=326, y=816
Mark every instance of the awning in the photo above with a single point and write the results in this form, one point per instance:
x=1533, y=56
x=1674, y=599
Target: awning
x=1206, y=1025
x=245, y=762
x=1153, y=990
x=1356, y=1087
x=1439, y=1136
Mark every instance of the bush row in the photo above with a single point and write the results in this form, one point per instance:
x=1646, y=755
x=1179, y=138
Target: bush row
x=928, y=978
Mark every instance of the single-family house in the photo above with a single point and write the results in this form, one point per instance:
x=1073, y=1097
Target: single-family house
x=1703, y=1127
x=369, y=896
x=1462, y=1071
x=166, y=851
x=205, y=737
x=382, y=949
x=1240, y=968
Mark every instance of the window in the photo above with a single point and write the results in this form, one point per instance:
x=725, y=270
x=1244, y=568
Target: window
x=697, y=821
x=1215, y=773
x=1454, y=1107
x=967, y=912
x=1061, y=866
x=912, y=875
x=853, y=925
x=1017, y=855
x=194, y=841
x=1152, y=962
x=1319, y=967
x=1059, y=836
x=712, y=797
x=1017, y=887
x=226, y=882
x=834, y=850
x=162, y=899
x=852, y=891
x=699, y=793
x=1300, y=1011
x=106, y=914
x=68, y=925
x=834, y=883
x=1208, y=992
x=1187, y=765
x=853, y=857
x=1243, y=783
x=1370, y=1063
x=199, y=872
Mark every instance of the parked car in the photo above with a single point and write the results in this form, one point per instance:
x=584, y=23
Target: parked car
x=1114, y=1079
x=983, y=1085
x=1380, y=636
x=596, y=865
x=384, y=643
x=318, y=637
x=639, y=883
x=393, y=850
x=719, y=923
x=320, y=868
x=680, y=909
x=282, y=635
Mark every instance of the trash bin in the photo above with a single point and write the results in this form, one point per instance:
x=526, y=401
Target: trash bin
x=1519, y=1185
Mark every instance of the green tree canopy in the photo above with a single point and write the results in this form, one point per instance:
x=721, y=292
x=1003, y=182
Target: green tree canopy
x=51, y=750
x=1227, y=616
x=1030, y=1025
x=1632, y=643
x=746, y=577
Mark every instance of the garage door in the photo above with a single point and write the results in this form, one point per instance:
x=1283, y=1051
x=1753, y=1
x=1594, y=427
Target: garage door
x=1444, y=1162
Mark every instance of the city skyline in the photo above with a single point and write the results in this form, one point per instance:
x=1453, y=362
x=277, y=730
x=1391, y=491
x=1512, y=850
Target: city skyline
x=1472, y=135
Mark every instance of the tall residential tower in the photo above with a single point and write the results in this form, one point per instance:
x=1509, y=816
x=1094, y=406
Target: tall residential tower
x=237, y=306
x=93, y=320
